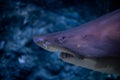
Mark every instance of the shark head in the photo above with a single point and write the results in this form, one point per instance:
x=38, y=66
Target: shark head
x=59, y=42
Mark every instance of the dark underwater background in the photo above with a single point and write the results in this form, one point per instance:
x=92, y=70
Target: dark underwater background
x=21, y=20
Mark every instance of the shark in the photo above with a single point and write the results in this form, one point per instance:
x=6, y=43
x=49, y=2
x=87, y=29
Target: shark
x=93, y=45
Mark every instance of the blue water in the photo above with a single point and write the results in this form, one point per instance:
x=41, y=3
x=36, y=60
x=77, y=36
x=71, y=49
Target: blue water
x=20, y=20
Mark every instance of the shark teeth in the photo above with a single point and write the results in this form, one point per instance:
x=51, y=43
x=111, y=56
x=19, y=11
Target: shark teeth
x=66, y=55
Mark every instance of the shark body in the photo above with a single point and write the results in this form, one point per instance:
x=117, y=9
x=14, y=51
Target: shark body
x=94, y=45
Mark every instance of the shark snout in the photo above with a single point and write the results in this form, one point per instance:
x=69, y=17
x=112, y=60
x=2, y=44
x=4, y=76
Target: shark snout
x=38, y=39
x=41, y=41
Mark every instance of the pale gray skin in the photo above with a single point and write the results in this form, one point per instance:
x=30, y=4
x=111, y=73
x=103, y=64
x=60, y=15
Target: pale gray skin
x=94, y=45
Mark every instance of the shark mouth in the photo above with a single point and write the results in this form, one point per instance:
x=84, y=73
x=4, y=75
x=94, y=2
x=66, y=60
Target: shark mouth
x=66, y=55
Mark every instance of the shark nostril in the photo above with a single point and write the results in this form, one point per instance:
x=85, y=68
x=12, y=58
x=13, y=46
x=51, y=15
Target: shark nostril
x=46, y=44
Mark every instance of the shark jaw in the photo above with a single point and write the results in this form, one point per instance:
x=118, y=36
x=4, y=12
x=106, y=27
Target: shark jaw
x=64, y=53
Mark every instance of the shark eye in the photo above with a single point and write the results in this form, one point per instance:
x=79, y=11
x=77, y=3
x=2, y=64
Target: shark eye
x=61, y=39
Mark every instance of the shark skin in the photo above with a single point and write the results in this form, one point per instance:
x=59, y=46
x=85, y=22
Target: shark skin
x=94, y=45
